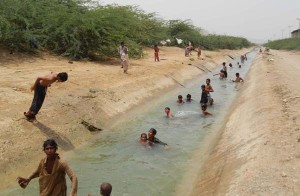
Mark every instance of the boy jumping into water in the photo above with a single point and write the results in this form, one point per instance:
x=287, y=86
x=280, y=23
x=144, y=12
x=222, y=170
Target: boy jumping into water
x=238, y=78
x=40, y=88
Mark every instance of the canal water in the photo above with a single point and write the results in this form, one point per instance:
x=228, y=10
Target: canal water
x=115, y=155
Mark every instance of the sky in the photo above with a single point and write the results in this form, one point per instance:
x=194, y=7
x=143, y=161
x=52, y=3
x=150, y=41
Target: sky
x=256, y=20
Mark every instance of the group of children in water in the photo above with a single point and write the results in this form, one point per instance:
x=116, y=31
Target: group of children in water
x=205, y=100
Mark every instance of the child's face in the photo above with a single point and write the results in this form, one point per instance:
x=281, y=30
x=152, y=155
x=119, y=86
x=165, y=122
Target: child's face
x=167, y=110
x=150, y=134
x=144, y=138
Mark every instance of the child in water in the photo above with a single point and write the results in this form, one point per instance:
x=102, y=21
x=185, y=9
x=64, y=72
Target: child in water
x=143, y=139
x=238, y=78
x=204, y=97
x=221, y=74
x=189, y=98
x=238, y=63
x=203, y=108
x=168, y=112
x=209, y=90
x=179, y=100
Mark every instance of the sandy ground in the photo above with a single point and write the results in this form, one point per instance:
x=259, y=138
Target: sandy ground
x=98, y=93
x=258, y=152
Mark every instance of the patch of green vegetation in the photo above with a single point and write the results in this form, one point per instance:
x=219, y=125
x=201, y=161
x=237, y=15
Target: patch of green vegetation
x=284, y=44
x=81, y=28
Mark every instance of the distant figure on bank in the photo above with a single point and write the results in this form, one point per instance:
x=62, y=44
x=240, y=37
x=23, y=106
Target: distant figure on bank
x=209, y=90
x=230, y=65
x=152, y=139
x=156, y=50
x=51, y=172
x=179, y=100
x=125, y=60
x=204, y=97
x=238, y=78
x=143, y=138
x=203, y=108
x=121, y=50
x=168, y=112
x=105, y=189
x=40, y=88
x=221, y=74
x=225, y=70
x=189, y=98
x=199, y=52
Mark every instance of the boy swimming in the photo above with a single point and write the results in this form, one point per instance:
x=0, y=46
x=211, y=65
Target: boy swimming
x=189, y=98
x=179, y=100
x=168, y=112
x=238, y=78
x=203, y=108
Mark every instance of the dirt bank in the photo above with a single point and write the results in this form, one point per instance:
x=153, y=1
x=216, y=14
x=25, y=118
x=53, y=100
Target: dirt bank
x=97, y=93
x=258, y=152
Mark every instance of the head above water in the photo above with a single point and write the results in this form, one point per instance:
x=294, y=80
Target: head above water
x=203, y=107
x=237, y=74
x=224, y=63
x=188, y=96
x=62, y=76
x=179, y=96
x=144, y=137
x=167, y=109
x=151, y=132
x=105, y=189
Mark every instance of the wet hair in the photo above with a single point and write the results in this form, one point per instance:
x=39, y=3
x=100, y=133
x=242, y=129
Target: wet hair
x=63, y=76
x=224, y=63
x=188, y=95
x=179, y=96
x=202, y=86
x=153, y=131
x=208, y=79
x=167, y=108
x=144, y=134
x=204, y=107
x=50, y=142
x=237, y=74
x=105, y=189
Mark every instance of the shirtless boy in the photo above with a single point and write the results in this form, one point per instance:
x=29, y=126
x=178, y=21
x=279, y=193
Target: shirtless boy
x=168, y=112
x=40, y=88
x=238, y=78
x=209, y=89
x=180, y=100
x=204, y=107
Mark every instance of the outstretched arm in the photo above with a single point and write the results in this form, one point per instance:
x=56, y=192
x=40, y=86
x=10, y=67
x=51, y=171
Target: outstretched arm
x=23, y=182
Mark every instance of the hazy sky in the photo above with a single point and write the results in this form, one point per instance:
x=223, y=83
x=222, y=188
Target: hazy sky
x=257, y=20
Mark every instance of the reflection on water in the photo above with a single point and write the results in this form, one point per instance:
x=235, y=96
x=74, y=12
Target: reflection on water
x=134, y=169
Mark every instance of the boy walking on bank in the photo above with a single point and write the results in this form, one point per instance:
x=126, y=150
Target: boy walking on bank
x=40, y=88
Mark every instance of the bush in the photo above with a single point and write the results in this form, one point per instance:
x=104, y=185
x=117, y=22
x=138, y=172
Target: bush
x=284, y=44
x=81, y=28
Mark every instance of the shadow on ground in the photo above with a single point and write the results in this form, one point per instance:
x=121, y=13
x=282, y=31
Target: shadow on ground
x=63, y=142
